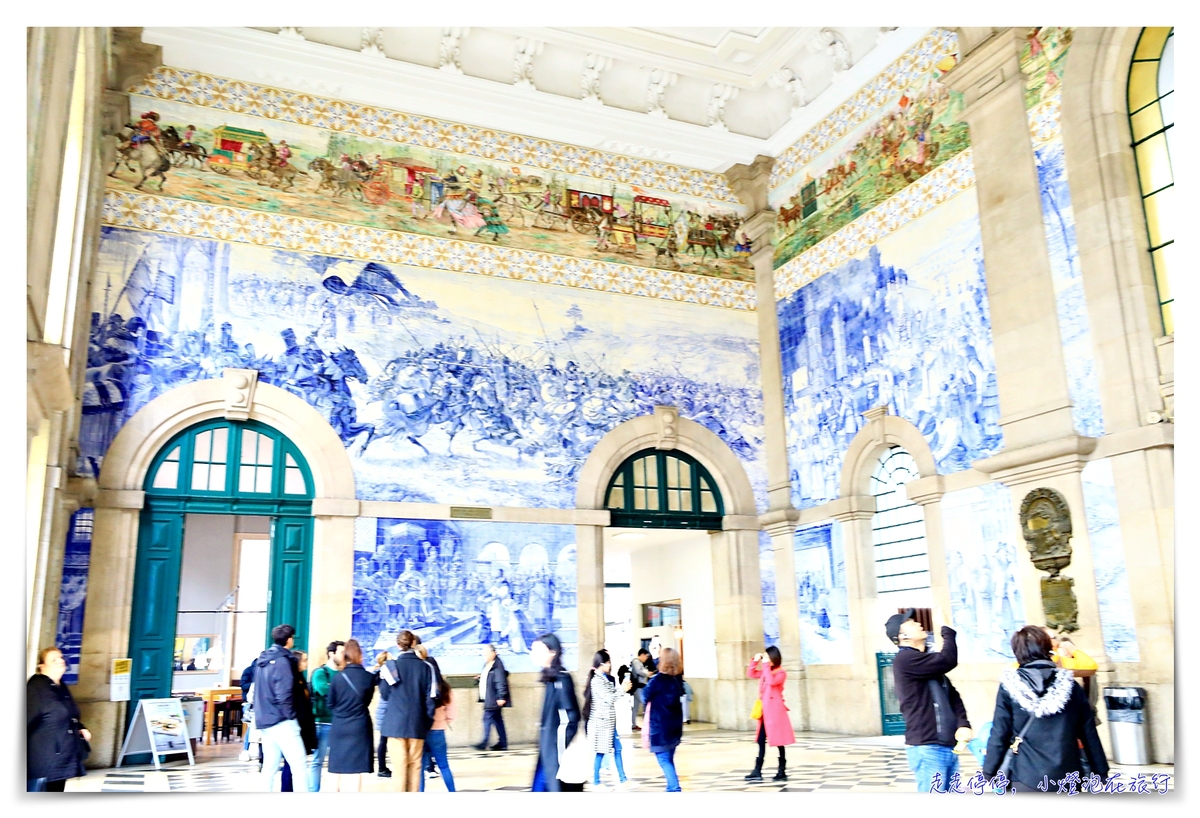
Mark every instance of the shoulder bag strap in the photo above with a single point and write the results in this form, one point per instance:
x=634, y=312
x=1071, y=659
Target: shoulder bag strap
x=353, y=686
x=1010, y=755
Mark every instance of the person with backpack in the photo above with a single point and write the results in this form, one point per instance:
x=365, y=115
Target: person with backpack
x=276, y=679
x=319, y=689
x=350, y=739
x=934, y=716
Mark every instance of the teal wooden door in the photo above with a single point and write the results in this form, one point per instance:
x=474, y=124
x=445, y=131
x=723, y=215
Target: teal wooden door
x=155, y=602
x=291, y=576
x=889, y=705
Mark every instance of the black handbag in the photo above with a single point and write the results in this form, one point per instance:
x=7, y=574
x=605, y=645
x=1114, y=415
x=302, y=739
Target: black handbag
x=82, y=748
x=1010, y=755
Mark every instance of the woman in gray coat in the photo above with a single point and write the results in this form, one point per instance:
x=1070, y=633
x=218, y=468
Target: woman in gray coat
x=351, y=739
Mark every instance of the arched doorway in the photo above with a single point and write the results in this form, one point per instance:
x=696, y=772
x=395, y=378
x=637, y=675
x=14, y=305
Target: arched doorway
x=680, y=517
x=217, y=467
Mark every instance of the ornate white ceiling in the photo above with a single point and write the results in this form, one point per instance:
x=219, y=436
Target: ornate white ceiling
x=701, y=97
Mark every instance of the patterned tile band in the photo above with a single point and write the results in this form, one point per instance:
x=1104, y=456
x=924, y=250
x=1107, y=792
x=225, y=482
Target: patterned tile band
x=914, y=201
x=142, y=211
x=1045, y=121
x=916, y=62
x=377, y=123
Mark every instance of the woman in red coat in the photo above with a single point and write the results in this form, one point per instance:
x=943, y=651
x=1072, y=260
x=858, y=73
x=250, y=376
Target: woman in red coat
x=774, y=728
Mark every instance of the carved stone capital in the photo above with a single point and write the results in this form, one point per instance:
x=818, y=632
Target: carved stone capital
x=926, y=490
x=851, y=509
x=239, y=392
x=780, y=521
x=1030, y=464
x=668, y=427
x=750, y=182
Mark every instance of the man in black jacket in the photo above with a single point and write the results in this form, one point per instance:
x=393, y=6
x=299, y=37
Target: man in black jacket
x=934, y=716
x=408, y=685
x=275, y=707
x=493, y=692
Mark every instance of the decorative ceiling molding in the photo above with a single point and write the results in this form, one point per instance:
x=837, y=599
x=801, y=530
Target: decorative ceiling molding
x=144, y=211
x=240, y=97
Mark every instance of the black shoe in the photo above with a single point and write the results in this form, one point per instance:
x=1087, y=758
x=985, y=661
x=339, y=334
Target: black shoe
x=756, y=775
x=499, y=746
x=780, y=775
x=480, y=746
x=635, y=727
x=384, y=773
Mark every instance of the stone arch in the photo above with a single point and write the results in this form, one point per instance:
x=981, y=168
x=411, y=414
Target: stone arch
x=882, y=432
x=646, y=432
x=128, y=458
x=1114, y=258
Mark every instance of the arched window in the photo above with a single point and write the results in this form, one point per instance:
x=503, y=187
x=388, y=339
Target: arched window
x=1152, y=119
x=898, y=527
x=247, y=463
x=655, y=489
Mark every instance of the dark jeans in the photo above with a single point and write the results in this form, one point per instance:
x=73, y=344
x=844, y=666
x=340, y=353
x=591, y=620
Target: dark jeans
x=494, y=717
x=42, y=785
x=381, y=752
x=435, y=748
x=762, y=746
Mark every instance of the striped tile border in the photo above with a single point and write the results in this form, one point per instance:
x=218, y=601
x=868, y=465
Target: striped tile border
x=142, y=211
x=919, y=198
x=236, y=96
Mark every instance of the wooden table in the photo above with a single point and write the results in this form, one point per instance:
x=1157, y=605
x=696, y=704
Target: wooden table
x=210, y=696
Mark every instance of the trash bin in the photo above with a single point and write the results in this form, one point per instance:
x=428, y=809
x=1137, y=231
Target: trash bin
x=193, y=713
x=1126, y=708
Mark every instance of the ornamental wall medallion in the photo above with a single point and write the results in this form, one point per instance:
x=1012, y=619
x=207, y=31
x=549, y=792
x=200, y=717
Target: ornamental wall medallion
x=1046, y=526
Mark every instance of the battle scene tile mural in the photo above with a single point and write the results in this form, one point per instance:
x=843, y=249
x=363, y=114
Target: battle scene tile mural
x=903, y=324
x=460, y=585
x=443, y=387
x=982, y=549
x=821, y=595
x=322, y=168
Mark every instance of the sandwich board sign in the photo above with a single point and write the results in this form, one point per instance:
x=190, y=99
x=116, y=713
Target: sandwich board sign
x=159, y=728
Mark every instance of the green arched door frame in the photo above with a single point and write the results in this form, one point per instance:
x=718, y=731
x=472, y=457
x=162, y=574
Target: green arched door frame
x=217, y=467
x=653, y=488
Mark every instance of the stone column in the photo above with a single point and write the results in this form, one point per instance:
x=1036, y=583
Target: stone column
x=589, y=564
x=737, y=605
x=331, y=603
x=1034, y=398
x=927, y=493
x=781, y=526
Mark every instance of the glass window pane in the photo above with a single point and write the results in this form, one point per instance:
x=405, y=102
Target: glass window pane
x=616, y=496
x=266, y=450
x=1150, y=44
x=246, y=477
x=203, y=446
x=174, y=455
x=1162, y=271
x=672, y=472
x=293, y=482
x=708, y=503
x=639, y=499
x=1154, y=163
x=1160, y=216
x=220, y=444
x=200, y=476
x=651, y=471
x=652, y=499
x=1146, y=121
x=674, y=500
x=1168, y=319
x=290, y=462
x=1166, y=68
x=216, y=478
x=639, y=472
x=167, y=476
x=263, y=481
x=1143, y=84
x=249, y=441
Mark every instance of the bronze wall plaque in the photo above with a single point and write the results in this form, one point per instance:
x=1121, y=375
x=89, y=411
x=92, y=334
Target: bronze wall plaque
x=1046, y=527
x=470, y=513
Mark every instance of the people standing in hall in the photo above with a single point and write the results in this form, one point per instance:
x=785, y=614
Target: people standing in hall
x=443, y=717
x=600, y=715
x=774, y=725
x=558, y=702
x=493, y=692
x=350, y=738
x=248, y=715
x=405, y=684
x=319, y=685
x=934, y=716
x=276, y=677
x=380, y=712
x=1063, y=721
x=685, y=703
x=304, y=715
x=662, y=696
x=641, y=676
x=56, y=742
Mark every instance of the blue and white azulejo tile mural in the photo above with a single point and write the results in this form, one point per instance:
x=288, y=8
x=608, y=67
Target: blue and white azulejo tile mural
x=444, y=387
x=72, y=594
x=904, y=324
x=461, y=585
x=821, y=595
x=1108, y=562
x=982, y=546
x=770, y=602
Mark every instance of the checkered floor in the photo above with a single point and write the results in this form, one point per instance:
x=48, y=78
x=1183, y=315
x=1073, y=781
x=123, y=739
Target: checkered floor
x=707, y=761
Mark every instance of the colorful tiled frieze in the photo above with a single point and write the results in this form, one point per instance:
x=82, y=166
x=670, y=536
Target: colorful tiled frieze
x=143, y=211
x=911, y=203
x=369, y=122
